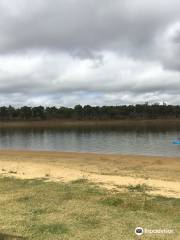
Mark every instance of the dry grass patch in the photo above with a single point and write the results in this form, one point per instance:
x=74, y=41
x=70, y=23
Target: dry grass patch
x=79, y=210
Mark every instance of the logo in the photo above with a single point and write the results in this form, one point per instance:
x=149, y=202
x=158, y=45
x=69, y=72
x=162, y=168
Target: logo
x=139, y=231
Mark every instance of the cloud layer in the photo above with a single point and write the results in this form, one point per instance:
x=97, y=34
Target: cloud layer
x=89, y=52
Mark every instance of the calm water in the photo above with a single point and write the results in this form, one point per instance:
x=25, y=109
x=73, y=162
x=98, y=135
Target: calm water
x=117, y=140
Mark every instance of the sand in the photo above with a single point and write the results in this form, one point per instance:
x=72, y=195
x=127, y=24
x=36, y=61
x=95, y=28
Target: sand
x=110, y=171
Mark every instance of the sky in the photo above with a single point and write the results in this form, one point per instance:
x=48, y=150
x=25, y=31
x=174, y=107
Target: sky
x=97, y=52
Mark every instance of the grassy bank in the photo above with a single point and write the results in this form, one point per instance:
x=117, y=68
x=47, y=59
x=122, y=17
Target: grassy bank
x=160, y=123
x=161, y=173
x=80, y=210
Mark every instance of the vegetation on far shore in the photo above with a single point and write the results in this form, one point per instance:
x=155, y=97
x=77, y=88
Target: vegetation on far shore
x=87, y=112
x=36, y=209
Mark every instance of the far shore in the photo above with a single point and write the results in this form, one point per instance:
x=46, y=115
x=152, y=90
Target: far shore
x=111, y=171
x=170, y=123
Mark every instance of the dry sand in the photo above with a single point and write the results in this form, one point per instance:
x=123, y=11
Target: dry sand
x=112, y=171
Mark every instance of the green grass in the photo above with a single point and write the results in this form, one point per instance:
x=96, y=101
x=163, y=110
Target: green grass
x=53, y=228
x=79, y=210
x=112, y=201
x=139, y=188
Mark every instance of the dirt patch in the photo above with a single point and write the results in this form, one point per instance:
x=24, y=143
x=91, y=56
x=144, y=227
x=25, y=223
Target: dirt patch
x=109, y=170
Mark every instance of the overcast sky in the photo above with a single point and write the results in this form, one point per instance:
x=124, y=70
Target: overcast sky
x=98, y=52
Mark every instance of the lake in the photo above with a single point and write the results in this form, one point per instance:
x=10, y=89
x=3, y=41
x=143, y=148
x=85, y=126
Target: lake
x=143, y=141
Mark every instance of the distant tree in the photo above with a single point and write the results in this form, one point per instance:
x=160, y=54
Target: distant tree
x=25, y=113
x=138, y=111
x=38, y=112
x=78, y=111
x=4, y=113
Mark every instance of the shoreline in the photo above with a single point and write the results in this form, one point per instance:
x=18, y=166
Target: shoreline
x=111, y=171
x=74, y=153
x=91, y=123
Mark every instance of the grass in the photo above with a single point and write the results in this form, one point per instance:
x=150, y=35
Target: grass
x=69, y=123
x=53, y=228
x=12, y=172
x=139, y=188
x=112, y=201
x=34, y=209
x=47, y=175
x=10, y=237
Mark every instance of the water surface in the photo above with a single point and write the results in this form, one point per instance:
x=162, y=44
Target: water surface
x=143, y=141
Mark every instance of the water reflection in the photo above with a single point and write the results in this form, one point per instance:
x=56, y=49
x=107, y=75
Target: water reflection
x=137, y=140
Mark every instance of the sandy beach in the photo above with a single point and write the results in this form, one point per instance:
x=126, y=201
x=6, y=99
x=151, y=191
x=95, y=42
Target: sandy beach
x=110, y=171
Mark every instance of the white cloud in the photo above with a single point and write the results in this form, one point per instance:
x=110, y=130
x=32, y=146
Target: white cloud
x=89, y=52
x=62, y=79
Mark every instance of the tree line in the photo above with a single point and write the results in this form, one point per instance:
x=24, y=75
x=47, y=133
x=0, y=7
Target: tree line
x=87, y=112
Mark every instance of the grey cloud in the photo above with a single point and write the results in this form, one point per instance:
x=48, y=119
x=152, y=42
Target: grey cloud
x=171, y=48
x=115, y=81
x=91, y=52
x=84, y=27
